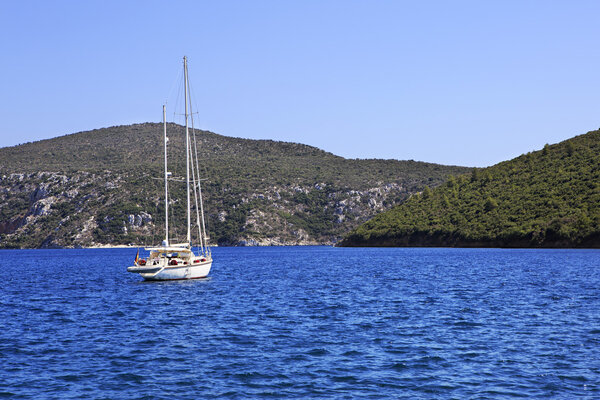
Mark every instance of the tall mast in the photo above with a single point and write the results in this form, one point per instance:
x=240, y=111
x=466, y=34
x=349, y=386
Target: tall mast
x=166, y=179
x=187, y=153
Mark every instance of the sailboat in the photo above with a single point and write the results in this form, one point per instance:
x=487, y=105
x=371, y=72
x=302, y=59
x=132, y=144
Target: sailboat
x=172, y=261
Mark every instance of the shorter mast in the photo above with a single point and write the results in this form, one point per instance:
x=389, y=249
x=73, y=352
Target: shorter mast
x=166, y=179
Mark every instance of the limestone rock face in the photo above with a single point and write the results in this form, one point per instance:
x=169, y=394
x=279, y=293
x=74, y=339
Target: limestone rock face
x=90, y=209
x=104, y=187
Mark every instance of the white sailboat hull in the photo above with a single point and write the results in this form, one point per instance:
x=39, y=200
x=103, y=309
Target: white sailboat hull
x=173, y=272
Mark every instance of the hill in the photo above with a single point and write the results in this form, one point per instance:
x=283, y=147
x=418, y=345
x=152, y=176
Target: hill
x=99, y=187
x=547, y=198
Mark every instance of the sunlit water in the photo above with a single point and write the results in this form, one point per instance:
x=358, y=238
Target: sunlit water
x=303, y=322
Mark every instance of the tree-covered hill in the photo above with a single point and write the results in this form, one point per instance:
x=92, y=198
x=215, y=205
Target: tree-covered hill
x=101, y=187
x=547, y=198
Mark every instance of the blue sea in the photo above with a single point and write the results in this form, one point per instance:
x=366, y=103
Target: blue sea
x=303, y=323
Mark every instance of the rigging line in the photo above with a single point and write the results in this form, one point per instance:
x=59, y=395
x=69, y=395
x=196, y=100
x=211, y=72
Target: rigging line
x=201, y=229
x=179, y=96
x=196, y=178
x=204, y=217
x=157, y=213
x=181, y=117
x=175, y=237
x=177, y=80
x=154, y=229
x=170, y=179
x=193, y=97
x=191, y=155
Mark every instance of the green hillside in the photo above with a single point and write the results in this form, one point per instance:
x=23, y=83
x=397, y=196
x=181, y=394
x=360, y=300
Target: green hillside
x=230, y=161
x=547, y=198
x=101, y=187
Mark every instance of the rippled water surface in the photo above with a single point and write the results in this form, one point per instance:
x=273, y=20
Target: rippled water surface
x=303, y=322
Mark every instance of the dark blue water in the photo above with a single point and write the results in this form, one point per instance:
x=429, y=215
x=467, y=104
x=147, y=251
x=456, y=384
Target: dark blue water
x=311, y=322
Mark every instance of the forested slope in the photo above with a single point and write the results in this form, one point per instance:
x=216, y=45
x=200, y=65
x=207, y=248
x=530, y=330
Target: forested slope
x=547, y=198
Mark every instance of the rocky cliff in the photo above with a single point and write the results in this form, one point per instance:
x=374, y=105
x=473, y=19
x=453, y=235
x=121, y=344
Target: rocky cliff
x=101, y=188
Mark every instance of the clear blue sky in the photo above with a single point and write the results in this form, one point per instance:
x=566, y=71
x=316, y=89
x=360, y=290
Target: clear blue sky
x=455, y=82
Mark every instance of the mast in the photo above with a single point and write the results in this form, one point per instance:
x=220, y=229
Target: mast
x=166, y=180
x=187, y=153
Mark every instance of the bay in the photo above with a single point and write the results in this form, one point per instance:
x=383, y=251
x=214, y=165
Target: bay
x=303, y=322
